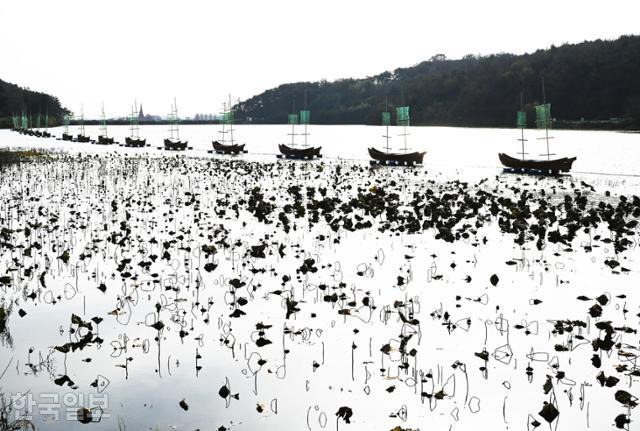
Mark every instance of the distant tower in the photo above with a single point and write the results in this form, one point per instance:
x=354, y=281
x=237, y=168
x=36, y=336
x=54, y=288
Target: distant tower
x=141, y=114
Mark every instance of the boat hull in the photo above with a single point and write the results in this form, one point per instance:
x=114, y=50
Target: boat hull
x=131, y=142
x=81, y=138
x=175, y=145
x=299, y=153
x=541, y=167
x=413, y=158
x=227, y=149
x=103, y=140
x=67, y=137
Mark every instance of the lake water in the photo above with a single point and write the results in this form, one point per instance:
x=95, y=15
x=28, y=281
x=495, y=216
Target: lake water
x=448, y=149
x=384, y=327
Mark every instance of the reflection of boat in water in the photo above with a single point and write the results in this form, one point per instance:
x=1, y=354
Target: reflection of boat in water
x=305, y=151
x=224, y=145
x=173, y=143
x=103, y=138
x=404, y=158
x=536, y=166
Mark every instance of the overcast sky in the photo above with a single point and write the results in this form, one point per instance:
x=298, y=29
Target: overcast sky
x=89, y=51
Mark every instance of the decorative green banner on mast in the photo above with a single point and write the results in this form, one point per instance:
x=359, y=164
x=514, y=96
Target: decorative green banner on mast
x=227, y=117
x=293, y=118
x=522, y=119
x=402, y=115
x=386, y=118
x=305, y=117
x=543, y=116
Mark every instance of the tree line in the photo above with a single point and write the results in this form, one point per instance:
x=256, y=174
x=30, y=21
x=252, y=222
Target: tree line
x=593, y=83
x=15, y=100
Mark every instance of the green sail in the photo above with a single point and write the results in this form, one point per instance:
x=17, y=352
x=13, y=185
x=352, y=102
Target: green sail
x=386, y=118
x=305, y=117
x=402, y=115
x=543, y=116
x=227, y=117
x=293, y=118
x=522, y=119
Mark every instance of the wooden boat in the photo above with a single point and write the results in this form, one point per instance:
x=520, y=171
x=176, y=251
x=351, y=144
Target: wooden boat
x=305, y=151
x=134, y=139
x=299, y=153
x=81, y=136
x=227, y=144
x=227, y=149
x=103, y=138
x=66, y=136
x=132, y=142
x=404, y=158
x=546, y=166
x=175, y=145
x=412, y=158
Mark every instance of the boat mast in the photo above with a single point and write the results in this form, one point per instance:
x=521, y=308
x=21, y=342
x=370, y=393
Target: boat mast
x=230, y=120
x=402, y=114
x=543, y=118
x=386, y=121
x=173, y=121
x=522, y=123
x=293, y=119
x=103, y=127
x=133, y=120
x=304, y=119
x=546, y=124
x=82, y=120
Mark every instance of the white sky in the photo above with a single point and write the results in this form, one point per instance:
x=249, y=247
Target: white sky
x=89, y=51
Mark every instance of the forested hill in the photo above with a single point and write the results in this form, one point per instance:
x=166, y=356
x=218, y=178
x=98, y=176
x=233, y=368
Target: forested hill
x=597, y=81
x=15, y=100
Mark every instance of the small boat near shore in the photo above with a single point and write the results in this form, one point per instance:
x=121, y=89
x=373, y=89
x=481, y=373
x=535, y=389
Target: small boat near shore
x=103, y=138
x=65, y=135
x=173, y=143
x=536, y=166
x=228, y=148
x=305, y=151
x=224, y=145
x=542, y=167
x=299, y=153
x=409, y=159
x=388, y=158
x=81, y=137
x=134, y=140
